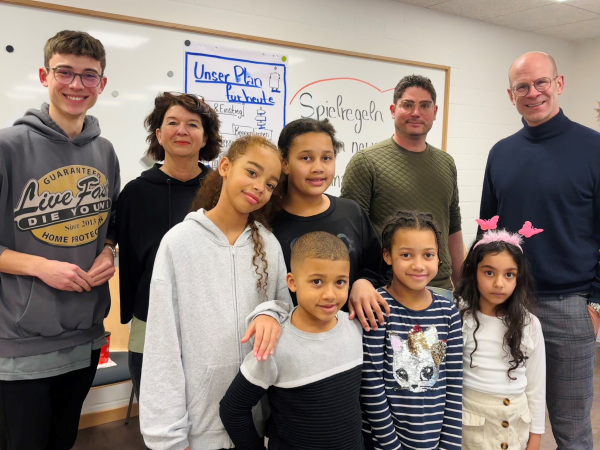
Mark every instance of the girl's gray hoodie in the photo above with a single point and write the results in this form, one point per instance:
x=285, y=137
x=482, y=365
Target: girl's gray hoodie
x=201, y=292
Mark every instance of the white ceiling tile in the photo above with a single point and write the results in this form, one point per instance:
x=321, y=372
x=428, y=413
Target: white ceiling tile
x=589, y=5
x=575, y=31
x=572, y=20
x=484, y=9
x=543, y=17
x=422, y=3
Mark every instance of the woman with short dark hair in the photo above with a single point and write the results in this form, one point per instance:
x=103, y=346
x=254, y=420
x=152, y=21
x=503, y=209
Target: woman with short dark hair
x=182, y=131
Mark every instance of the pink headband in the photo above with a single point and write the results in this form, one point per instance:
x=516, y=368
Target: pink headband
x=493, y=235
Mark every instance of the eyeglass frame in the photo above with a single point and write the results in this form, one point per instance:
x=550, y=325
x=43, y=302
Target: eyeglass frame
x=513, y=89
x=75, y=74
x=431, y=106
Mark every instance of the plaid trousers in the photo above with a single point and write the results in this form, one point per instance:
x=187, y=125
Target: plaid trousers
x=570, y=358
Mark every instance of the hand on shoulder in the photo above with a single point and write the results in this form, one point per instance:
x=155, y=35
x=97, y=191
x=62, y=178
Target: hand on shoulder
x=365, y=303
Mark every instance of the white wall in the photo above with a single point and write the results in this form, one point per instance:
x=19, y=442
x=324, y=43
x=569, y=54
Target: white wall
x=479, y=54
x=584, y=85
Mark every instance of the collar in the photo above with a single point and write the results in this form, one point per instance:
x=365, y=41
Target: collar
x=553, y=127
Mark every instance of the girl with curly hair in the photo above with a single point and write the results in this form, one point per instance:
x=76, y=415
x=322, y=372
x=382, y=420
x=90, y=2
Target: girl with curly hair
x=504, y=359
x=212, y=271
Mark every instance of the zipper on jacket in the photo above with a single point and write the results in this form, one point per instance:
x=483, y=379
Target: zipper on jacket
x=235, y=307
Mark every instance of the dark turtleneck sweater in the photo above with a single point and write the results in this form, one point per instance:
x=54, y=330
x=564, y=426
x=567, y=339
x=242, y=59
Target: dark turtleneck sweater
x=148, y=207
x=550, y=175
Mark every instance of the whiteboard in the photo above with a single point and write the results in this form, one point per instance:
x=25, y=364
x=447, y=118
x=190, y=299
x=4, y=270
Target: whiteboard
x=145, y=57
x=246, y=88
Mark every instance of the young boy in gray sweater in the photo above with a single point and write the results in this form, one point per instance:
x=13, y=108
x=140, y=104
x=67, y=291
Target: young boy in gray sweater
x=313, y=379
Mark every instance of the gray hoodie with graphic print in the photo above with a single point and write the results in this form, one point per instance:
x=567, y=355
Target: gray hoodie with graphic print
x=57, y=200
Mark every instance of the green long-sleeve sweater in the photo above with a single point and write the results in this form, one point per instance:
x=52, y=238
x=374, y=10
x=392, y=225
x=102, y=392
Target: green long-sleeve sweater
x=385, y=178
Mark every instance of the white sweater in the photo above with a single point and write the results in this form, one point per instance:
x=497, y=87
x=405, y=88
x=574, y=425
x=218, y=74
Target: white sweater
x=201, y=292
x=491, y=362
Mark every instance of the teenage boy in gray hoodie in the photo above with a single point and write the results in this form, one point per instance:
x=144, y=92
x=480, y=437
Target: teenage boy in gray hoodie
x=59, y=182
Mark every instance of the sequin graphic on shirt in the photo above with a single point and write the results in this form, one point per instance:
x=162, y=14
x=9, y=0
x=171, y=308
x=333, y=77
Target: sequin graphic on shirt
x=65, y=207
x=417, y=359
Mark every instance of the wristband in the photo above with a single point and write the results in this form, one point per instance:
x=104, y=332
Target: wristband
x=113, y=250
x=595, y=306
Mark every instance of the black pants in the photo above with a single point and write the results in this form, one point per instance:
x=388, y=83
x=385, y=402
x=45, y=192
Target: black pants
x=43, y=414
x=135, y=371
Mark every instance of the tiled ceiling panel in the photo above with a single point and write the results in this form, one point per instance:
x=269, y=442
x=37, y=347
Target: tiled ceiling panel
x=571, y=20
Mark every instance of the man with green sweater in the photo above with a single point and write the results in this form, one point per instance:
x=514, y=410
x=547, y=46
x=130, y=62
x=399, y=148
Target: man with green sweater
x=405, y=172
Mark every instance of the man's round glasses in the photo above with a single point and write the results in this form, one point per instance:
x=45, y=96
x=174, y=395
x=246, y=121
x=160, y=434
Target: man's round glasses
x=540, y=85
x=89, y=78
x=409, y=106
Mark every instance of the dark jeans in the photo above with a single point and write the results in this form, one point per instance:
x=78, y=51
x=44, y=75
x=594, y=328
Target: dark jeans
x=43, y=414
x=570, y=355
x=135, y=370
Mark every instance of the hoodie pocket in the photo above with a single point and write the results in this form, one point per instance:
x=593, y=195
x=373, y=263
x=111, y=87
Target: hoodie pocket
x=204, y=404
x=39, y=316
x=50, y=312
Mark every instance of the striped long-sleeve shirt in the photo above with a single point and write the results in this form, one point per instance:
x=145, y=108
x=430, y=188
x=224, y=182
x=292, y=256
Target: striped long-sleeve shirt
x=411, y=391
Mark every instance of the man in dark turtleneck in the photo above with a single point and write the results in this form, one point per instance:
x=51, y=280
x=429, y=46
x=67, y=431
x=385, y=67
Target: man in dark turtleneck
x=548, y=173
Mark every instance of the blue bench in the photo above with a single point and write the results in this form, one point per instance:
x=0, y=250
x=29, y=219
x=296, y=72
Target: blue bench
x=115, y=374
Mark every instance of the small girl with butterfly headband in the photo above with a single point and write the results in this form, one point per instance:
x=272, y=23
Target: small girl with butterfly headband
x=504, y=360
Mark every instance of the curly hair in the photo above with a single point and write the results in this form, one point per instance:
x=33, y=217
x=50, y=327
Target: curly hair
x=77, y=43
x=414, y=81
x=299, y=127
x=208, y=195
x=515, y=310
x=193, y=104
x=408, y=220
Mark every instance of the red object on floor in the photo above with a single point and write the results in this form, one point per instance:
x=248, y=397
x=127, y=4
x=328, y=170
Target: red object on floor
x=105, y=350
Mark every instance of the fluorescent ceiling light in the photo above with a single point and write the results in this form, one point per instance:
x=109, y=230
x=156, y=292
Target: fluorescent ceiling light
x=117, y=40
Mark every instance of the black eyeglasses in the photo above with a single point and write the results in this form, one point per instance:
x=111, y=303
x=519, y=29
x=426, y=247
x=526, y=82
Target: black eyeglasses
x=89, y=79
x=540, y=85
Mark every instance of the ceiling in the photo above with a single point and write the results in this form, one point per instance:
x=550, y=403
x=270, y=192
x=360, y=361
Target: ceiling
x=571, y=19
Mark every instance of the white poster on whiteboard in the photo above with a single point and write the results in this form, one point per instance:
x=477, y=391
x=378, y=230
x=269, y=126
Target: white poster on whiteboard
x=358, y=109
x=246, y=88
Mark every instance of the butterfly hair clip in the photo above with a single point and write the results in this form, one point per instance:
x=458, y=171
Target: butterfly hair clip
x=493, y=235
x=489, y=224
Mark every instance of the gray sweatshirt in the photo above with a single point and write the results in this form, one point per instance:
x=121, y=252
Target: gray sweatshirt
x=201, y=292
x=57, y=200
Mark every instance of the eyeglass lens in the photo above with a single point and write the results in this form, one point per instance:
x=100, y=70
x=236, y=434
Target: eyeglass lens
x=66, y=76
x=540, y=85
x=409, y=106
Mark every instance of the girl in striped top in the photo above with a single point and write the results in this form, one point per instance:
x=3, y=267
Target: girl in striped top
x=411, y=390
